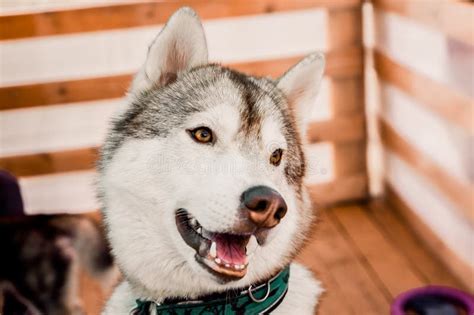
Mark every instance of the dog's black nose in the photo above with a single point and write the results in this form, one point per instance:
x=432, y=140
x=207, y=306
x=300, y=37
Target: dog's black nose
x=265, y=206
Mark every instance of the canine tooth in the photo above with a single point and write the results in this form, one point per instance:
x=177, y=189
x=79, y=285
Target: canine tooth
x=193, y=222
x=227, y=265
x=218, y=260
x=199, y=230
x=213, y=250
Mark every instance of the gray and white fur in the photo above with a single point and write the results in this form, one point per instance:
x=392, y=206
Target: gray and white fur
x=150, y=167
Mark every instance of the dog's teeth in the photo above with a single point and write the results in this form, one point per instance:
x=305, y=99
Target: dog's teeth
x=213, y=250
x=218, y=261
x=193, y=222
x=199, y=230
x=227, y=265
x=239, y=267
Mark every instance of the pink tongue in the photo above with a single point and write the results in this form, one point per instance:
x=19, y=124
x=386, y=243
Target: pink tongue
x=230, y=250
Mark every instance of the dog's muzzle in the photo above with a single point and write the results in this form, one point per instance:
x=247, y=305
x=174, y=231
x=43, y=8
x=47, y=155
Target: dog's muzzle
x=224, y=254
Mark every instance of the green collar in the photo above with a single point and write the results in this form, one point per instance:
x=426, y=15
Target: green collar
x=260, y=299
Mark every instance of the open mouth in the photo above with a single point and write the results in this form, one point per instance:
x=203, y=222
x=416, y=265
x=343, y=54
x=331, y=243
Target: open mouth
x=224, y=254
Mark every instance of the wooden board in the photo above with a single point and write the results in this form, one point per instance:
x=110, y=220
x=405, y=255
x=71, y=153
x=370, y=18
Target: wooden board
x=463, y=272
x=91, y=293
x=383, y=258
x=364, y=257
x=338, y=129
x=143, y=13
x=330, y=250
x=346, y=95
x=344, y=27
x=340, y=64
x=398, y=231
x=451, y=17
x=350, y=158
x=446, y=102
x=341, y=189
x=458, y=192
x=50, y=162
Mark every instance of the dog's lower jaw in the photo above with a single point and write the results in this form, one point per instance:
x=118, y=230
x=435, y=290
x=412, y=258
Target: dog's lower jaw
x=302, y=297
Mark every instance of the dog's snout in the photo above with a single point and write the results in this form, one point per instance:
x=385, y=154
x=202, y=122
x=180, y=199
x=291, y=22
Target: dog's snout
x=265, y=206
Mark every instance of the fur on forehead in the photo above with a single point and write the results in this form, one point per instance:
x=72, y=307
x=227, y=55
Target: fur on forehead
x=157, y=111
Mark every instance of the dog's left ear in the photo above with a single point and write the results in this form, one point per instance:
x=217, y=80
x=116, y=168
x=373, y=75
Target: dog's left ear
x=180, y=46
x=301, y=84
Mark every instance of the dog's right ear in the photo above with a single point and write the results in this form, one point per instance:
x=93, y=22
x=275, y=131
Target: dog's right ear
x=179, y=46
x=301, y=84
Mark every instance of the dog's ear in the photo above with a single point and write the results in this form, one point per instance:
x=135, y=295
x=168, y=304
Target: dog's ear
x=179, y=46
x=301, y=84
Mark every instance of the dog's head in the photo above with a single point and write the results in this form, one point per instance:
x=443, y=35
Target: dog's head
x=202, y=177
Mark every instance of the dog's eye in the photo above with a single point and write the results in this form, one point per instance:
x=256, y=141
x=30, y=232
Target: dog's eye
x=201, y=135
x=275, y=158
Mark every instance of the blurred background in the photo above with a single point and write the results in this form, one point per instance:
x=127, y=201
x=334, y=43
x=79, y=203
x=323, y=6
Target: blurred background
x=390, y=143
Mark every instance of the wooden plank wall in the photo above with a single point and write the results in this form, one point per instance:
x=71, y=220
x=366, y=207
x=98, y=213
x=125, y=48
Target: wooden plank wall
x=52, y=65
x=424, y=54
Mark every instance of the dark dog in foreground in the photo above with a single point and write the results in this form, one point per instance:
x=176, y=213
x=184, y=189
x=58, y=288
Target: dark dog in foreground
x=40, y=258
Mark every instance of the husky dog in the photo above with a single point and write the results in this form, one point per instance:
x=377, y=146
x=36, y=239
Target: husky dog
x=202, y=184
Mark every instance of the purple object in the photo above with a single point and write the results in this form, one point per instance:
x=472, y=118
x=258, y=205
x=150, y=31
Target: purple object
x=433, y=300
x=11, y=203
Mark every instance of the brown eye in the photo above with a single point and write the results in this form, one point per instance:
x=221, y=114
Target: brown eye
x=275, y=158
x=201, y=134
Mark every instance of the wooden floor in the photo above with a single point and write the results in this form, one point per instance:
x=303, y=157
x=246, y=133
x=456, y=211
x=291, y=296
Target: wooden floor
x=365, y=255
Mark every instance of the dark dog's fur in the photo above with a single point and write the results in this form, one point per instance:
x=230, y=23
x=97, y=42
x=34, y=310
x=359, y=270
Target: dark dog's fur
x=39, y=259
